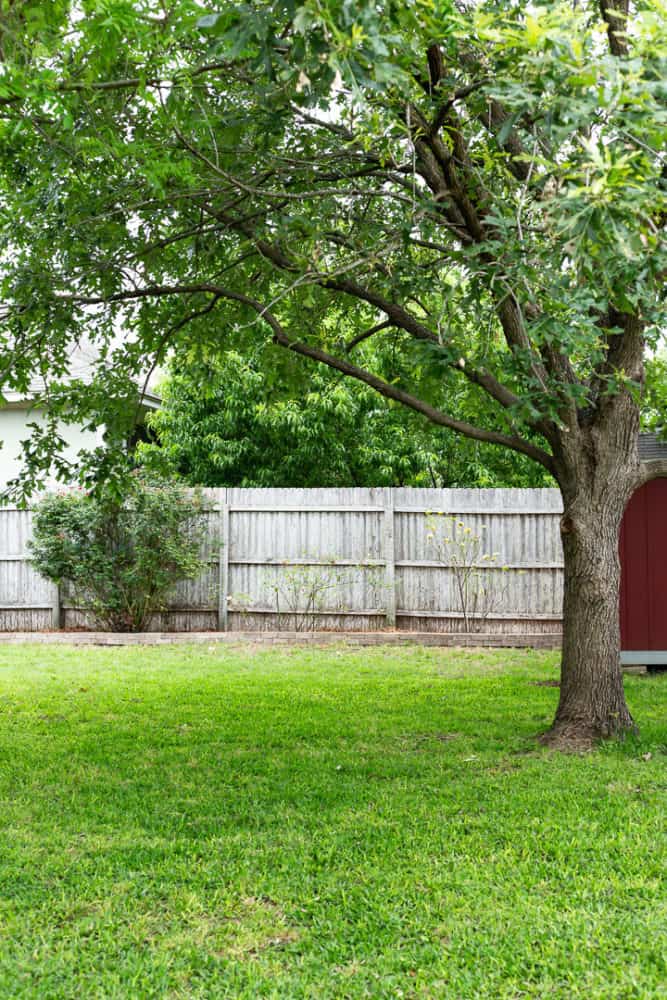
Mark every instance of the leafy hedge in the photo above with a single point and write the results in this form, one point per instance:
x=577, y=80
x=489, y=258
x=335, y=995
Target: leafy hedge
x=120, y=559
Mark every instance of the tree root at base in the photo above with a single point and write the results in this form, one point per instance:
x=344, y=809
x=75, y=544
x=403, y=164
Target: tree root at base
x=579, y=736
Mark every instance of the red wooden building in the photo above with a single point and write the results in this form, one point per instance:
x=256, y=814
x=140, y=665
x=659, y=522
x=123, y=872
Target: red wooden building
x=643, y=550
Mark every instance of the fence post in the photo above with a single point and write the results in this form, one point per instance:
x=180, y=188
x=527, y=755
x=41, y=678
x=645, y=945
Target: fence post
x=389, y=555
x=55, y=607
x=223, y=567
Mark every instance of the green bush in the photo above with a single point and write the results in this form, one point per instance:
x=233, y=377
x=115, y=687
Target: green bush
x=120, y=559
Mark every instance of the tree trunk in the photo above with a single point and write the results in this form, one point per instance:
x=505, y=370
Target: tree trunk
x=592, y=700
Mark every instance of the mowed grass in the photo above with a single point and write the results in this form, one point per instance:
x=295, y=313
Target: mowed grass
x=215, y=822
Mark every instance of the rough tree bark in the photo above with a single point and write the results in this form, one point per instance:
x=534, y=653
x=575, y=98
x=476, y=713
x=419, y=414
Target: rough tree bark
x=598, y=470
x=592, y=700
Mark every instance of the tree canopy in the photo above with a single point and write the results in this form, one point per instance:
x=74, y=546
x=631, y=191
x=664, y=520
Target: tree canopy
x=177, y=172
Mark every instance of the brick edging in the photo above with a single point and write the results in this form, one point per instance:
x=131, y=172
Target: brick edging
x=543, y=640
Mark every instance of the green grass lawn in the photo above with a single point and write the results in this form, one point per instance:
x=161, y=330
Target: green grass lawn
x=215, y=822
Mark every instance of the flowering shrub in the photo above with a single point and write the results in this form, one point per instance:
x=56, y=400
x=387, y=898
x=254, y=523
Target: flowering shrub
x=478, y=590
x=120, y=559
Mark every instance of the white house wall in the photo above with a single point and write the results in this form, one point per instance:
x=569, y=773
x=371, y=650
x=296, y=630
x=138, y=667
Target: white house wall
x=14, y=429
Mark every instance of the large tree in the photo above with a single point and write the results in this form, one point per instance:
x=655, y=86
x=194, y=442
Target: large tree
x=188, y=172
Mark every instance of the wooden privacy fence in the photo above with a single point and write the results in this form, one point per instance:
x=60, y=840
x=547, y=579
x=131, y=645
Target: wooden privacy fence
x=338, y=559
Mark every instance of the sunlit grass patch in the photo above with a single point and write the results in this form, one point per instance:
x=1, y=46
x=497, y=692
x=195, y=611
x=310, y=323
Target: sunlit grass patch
x=215, y=822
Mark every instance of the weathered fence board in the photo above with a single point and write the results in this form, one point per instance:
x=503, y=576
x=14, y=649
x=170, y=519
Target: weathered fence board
x=331, y=559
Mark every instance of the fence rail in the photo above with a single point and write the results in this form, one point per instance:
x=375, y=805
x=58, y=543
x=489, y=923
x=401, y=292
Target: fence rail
x=261, y=546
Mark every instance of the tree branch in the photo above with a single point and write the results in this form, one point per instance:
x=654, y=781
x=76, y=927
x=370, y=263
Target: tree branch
x=366, y=334
x=436, y=416
x=127, y=83
x=442, y=169
x=615, y=14
x=390, y=391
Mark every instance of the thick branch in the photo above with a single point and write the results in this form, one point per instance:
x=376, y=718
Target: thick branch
x=386, y=389
x=624, y=336
x=444, y=175
x=390, y=391
x=494, y=118
x=615, y=14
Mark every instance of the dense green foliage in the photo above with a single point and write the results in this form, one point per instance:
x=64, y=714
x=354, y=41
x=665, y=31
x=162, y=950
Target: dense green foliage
x=655, y=401
x=223, y=423
x=119, y=559
x=280, y=825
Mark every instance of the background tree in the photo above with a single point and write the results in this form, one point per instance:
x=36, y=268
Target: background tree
x=230, y=420
x=417, y=168
x=233, y=420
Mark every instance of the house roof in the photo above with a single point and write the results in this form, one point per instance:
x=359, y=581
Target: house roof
x=82, y=363
x=151, y=400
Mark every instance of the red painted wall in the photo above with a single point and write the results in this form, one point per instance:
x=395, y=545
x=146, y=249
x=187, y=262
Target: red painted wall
x=643, y=549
